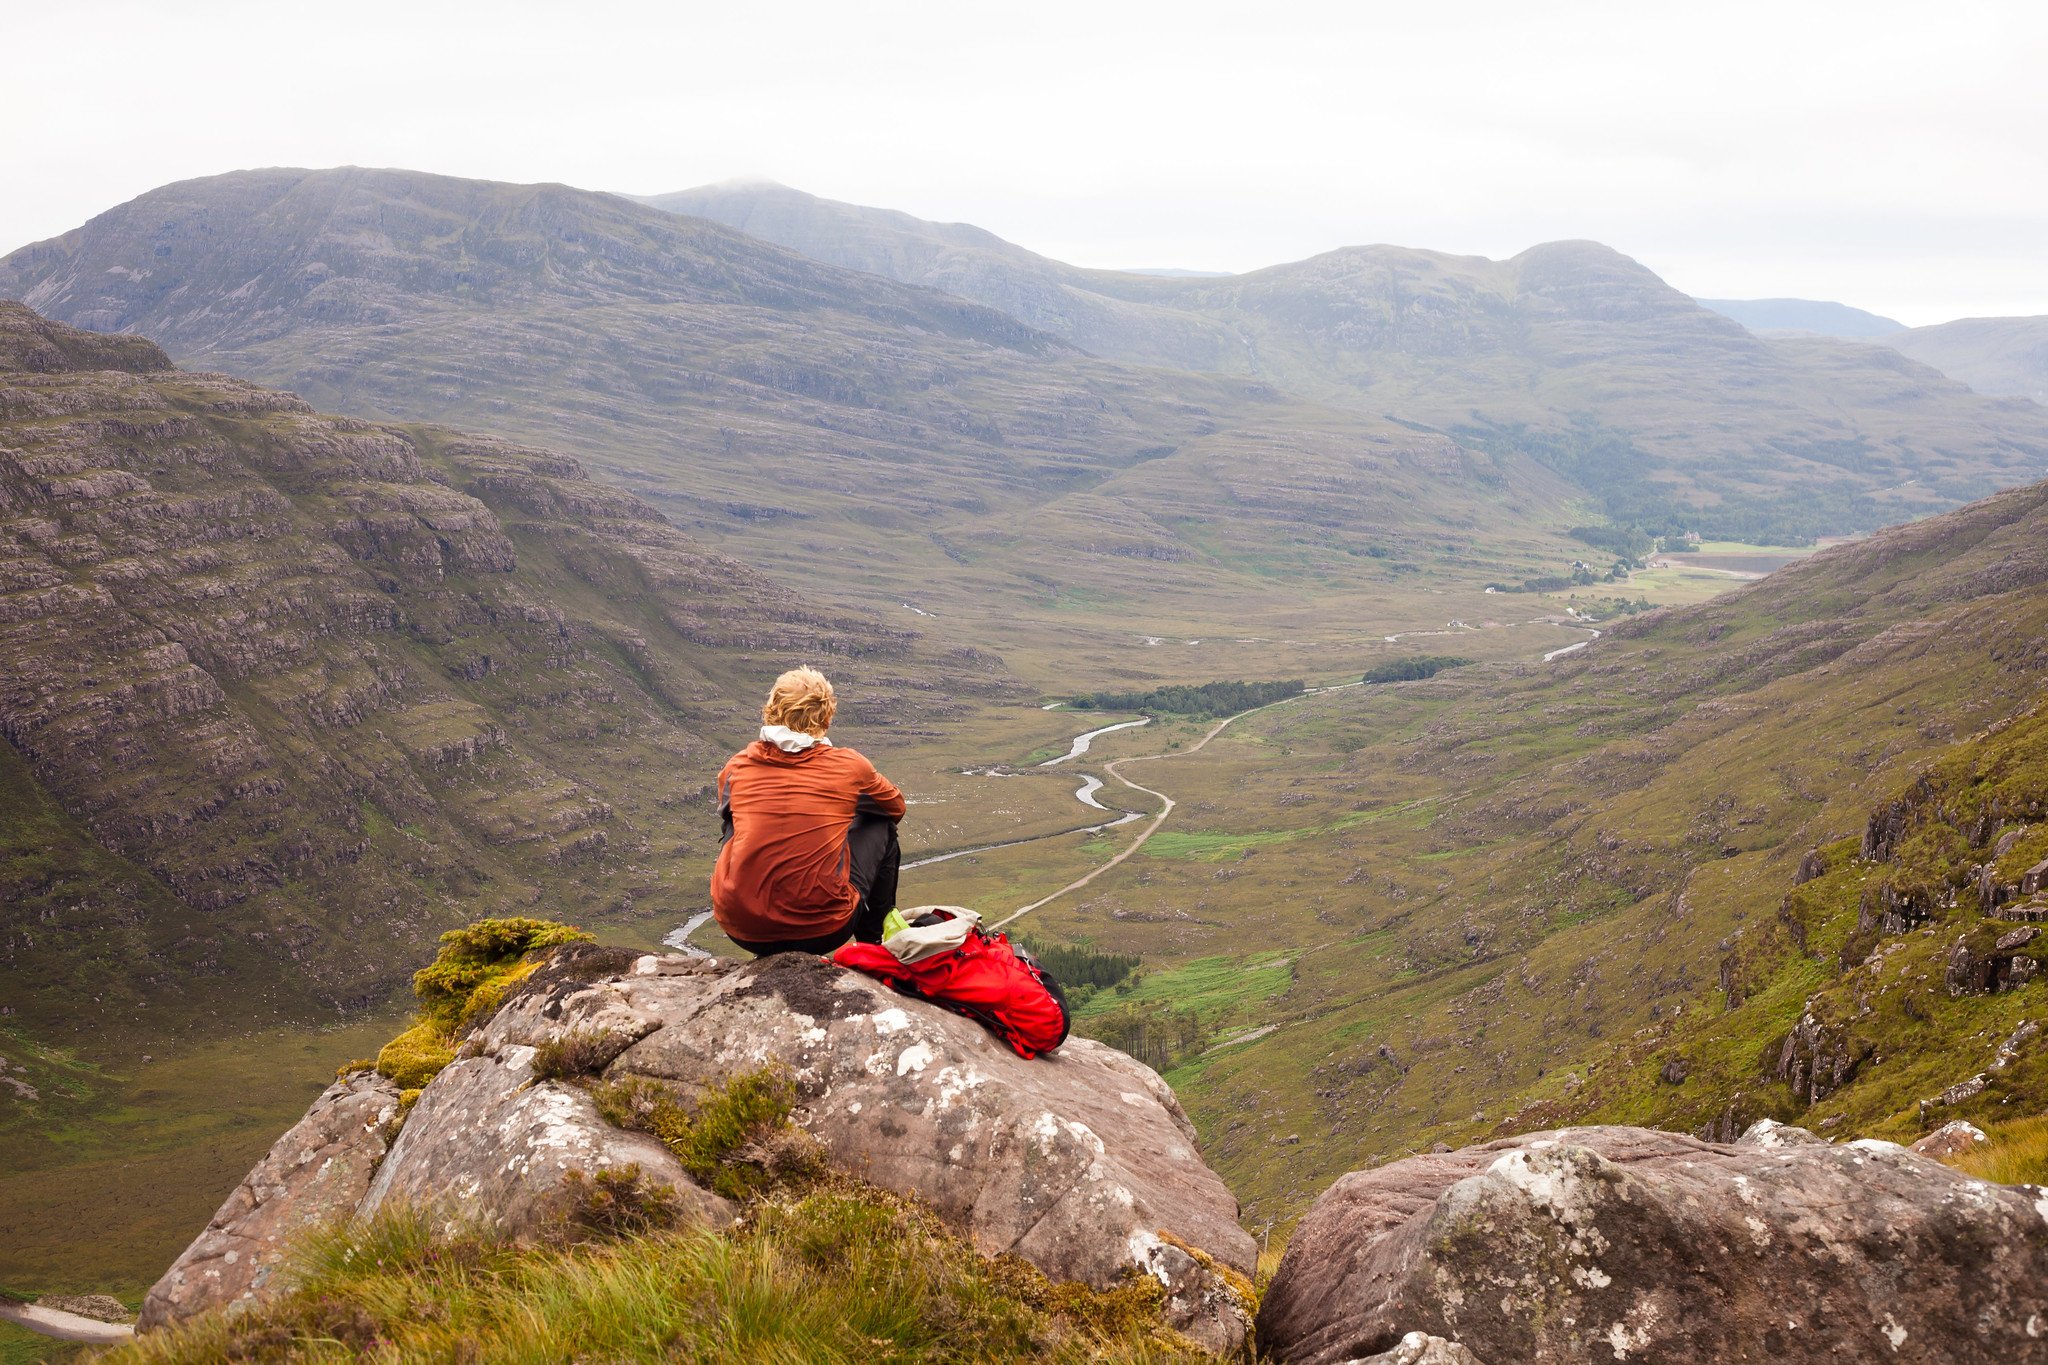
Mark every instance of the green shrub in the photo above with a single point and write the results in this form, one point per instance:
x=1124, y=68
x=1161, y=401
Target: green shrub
x=477, y=955
x=415, y=1056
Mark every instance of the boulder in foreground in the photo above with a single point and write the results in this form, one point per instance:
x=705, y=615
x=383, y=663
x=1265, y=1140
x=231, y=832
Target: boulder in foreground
x=1614, y=1243
x=1081, y=1162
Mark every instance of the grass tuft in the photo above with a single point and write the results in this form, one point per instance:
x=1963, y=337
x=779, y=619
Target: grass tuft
x=736, y=1139
x=2016, y=1155
x=582, y=1053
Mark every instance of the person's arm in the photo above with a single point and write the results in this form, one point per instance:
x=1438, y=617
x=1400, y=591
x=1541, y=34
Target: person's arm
x=725, y=805
x=877, y=795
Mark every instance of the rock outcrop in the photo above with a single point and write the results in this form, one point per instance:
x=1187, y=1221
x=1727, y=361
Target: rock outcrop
x=1081, y=1162
x=317, y=1172
x=1630, y=1244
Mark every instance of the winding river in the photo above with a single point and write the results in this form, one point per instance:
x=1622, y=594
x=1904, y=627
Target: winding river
x=1091, y=784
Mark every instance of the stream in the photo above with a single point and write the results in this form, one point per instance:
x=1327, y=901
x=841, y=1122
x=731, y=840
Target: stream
x=1081, y=743
x=679, y=939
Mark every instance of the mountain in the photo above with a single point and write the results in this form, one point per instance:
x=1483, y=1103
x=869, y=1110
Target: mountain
x=1570, y=354
x=1818, y=316
x=934, y=451
x=287, y=694
x=970, y=263
x=1726, y=862
x=2000, y=356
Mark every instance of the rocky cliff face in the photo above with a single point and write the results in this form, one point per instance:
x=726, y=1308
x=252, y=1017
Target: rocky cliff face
x=280, y=691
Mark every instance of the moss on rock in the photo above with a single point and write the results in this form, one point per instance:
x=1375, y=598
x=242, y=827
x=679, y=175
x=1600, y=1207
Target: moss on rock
x=467, y=981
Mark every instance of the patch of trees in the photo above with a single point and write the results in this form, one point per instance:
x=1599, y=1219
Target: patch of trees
x=1629, y=542
x=1413, y=669
x=1076, y=967
x=1157, y=1035
x=1607, y=608
x=1202, y=701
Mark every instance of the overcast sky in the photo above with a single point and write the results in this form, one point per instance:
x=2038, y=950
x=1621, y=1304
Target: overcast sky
x=1890, y=156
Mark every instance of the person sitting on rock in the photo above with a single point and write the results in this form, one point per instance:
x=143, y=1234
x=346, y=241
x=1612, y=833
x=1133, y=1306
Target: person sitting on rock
x=809, y=856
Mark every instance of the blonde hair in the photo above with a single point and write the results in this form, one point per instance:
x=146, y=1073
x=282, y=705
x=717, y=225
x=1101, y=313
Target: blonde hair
x=801, y=699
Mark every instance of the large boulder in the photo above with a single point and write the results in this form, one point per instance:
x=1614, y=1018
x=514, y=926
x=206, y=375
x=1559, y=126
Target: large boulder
x=1082, y=1162
x=488, y=1148
x=317, y=1172
x=1629, y=1244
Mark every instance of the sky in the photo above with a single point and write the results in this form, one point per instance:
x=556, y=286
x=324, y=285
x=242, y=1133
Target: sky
x=1888, y=156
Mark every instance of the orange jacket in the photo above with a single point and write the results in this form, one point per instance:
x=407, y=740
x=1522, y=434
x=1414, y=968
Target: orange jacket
x=782, y=873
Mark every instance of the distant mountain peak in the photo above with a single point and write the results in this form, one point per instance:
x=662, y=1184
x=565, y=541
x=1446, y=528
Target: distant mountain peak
x=1817, y=316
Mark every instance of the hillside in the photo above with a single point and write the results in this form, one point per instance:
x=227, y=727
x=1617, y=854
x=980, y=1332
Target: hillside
x=1570, y=354
x=1519, y=895
x=2005, y=356
x=1803, y=315
x=946, y=455
x=287, y=694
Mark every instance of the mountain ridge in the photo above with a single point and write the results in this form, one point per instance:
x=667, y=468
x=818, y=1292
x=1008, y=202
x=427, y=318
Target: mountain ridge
x=1563, y=351
x=268, y=670
x=1996, y=356
x=905, y=421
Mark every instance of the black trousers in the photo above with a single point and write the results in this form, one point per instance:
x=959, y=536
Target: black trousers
x=873, y=860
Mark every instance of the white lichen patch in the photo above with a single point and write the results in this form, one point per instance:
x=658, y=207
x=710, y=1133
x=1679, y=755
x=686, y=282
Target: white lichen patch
x=1894, y=1333
x=1591, y=1277
x=916, y=1057
x=1146, y=1252
x=891, y=1020
x=1633, y=1332
x=1759, y=1231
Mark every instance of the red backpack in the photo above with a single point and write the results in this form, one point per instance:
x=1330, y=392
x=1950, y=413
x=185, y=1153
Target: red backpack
x=985, y=979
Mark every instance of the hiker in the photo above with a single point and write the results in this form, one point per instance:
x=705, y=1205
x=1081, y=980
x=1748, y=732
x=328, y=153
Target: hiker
x=809, y=857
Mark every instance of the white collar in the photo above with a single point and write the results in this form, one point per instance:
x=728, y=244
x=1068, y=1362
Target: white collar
x=791, y=741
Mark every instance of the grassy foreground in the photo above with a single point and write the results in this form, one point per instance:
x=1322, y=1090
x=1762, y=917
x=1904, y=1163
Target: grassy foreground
x=839, y=1272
